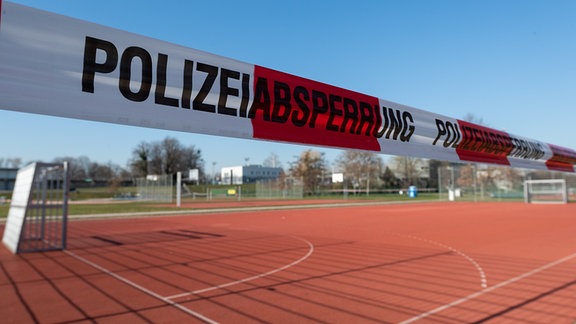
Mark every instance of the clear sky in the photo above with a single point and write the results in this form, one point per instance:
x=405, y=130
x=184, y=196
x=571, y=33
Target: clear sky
x=510, y=63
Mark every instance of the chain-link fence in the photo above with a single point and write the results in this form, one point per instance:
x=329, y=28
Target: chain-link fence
x=472, y=182
x=281, y=188
x=158, y=188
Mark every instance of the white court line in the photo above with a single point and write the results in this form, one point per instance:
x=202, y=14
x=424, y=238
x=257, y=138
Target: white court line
x=168, y=300
x=482, y=292
x=147, y=291
x=483, y=279
x=262, y=275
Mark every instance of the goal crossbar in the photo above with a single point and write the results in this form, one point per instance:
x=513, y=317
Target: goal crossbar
x=546, y=191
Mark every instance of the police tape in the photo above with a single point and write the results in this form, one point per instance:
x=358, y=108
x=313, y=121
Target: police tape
x=61, y=66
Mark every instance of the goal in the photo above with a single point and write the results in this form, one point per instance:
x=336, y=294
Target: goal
x=546, y=191
x=37, y=219
x=287, y=188
x=158, y=188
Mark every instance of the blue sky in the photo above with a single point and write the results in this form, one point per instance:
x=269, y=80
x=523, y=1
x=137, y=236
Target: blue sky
x=510, y=63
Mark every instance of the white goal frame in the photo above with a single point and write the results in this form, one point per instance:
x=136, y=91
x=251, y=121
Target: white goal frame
x=38, y=216
x=546, y=191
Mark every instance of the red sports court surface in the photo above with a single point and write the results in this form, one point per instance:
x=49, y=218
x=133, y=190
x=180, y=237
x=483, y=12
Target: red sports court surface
x=425, y=263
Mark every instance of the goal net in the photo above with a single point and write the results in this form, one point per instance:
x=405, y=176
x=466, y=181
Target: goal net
x=157, y=188
x=37, y=219
x=546, y=191
x=288, y=188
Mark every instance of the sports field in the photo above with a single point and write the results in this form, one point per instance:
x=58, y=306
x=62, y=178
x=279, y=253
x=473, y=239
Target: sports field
x=397, y=263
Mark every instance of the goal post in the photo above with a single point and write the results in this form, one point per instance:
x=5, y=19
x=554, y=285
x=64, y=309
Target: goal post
x=546, y=191
x=38, y=215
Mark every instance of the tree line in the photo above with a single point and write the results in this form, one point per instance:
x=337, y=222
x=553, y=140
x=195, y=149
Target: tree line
x=362, y=170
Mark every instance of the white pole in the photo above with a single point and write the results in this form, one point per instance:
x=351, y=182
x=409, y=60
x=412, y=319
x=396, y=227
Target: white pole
x=178, y=189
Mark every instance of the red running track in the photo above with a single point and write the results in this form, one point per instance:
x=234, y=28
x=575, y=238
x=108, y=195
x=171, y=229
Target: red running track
x=424, y=263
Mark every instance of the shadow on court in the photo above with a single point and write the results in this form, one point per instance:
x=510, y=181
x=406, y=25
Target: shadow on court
x=174, y=273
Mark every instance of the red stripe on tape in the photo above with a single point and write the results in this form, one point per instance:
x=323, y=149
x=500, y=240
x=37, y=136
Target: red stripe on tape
x=562, y=159
x=483, y=144
x=294, y=109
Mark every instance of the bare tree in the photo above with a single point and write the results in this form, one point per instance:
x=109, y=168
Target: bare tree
x=272, y=161
x=435, y=168
x=168, y=156
x=156, y=160
x=140, y=159
x=470, y=117
x=408, y=169
x=172, y=156
x=389, y=180
x=10, y=163
x=362, y=168
x=467, y=176
x=506, y=178
x=104, y=172
x=311, y=167
x=193, y=160
x=83, y=162
x=81, y=169
x=76, y=167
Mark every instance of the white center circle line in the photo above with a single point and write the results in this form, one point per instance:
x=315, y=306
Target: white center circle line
x=258, y=276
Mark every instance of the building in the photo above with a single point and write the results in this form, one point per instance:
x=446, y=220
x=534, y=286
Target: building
x=7, y=178
x=248, y=174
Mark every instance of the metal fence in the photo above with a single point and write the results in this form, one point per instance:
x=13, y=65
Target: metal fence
x=473, y=182
x=281, y=188
x=159, y=188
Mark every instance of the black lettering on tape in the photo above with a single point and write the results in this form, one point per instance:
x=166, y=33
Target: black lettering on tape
x=334, y=111
x=187, y=83
x=126, y=73
x=301, y=96
x=226, y=90
x=408, y=128
x=441, y=130
x=261, y=100
x=160, y=93
x=282, y=106
x=211, y=74
x=449, y=132
x=366, y=118
x=91, y=67
x=245, y=94
x=400, y=125
x=395, y=124
x=350, y=115
x=319, y=106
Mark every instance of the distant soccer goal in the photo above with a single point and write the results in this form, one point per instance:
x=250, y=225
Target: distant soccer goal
x=546, y=191
x=158, y=188
x=289, y=188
